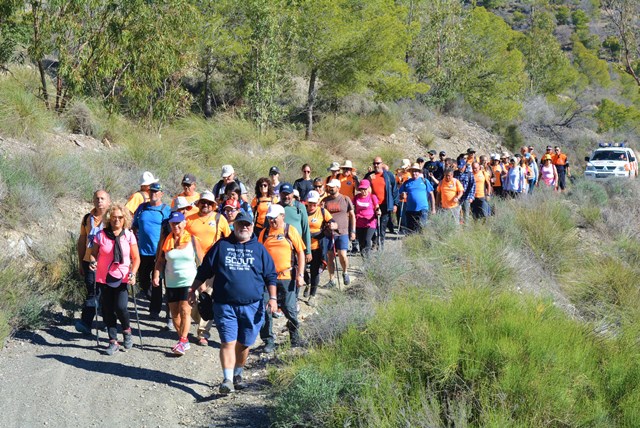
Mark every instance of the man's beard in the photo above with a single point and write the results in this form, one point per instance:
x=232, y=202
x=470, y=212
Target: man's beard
x=242, y=234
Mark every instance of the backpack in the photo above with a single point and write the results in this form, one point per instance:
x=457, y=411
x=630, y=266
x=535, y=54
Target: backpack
x=145, y=207
x=91, y=233
x=220, y=184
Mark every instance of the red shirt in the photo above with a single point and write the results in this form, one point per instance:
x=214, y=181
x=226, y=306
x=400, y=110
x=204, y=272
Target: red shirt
x=378, y=186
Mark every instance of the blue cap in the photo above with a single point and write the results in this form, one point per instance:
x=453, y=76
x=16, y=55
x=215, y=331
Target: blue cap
x=286, y=188
x=176, y=217
x=244, y=217
x=155, y=187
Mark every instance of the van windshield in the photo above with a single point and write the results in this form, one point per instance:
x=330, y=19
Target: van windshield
x=610, y=155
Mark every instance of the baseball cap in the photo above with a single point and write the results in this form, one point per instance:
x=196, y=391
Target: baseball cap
x=420, y=159
x=504, y=155
x=549, y=148
x=176, y=217
x=286, y=188
x=227, y=170
x=364, y=184
x=495, y=156
x=155, y=187
x=274, y=170
x=188, y=179
x=333, y=183
x=313, y=197
x=318, y=181
x=147, y=178
x=275, y=210
x=207, y=196
x=181, y=202
x=443, y=153
x=232, y=203
x=432, y=152
x=406, y=163
x=335, y=166
x=471, y=150
x=243, y=217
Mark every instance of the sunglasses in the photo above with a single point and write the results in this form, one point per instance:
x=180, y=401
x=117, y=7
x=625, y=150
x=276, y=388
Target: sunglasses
x=377, y=163
x=244, y=225
x=187, y=184
x=264, y=185
x=205, y=202
x=117, y=217
x=155, y=191
x=307, y=171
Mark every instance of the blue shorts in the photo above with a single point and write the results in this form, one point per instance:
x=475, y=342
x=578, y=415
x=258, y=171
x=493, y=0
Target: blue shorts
x=341, y=241
x=239, y=322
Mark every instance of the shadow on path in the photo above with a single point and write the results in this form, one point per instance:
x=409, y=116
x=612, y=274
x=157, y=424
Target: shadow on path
x=128, y=372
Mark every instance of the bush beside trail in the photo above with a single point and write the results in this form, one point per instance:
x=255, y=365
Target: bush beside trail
x=519, y=320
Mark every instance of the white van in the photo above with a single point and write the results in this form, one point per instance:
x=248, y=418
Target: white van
x=611, y=160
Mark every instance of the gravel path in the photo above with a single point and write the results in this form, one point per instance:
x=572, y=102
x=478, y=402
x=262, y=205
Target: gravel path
x=57, y=377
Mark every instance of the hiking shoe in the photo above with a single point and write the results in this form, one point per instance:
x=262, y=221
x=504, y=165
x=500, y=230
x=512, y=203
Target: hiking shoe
x=306, y=292
x=113, y=347
x=82, y=327
x=239, y=384
x=346, y=279
x=169, y=325
x=181, y=348
x=278, y=313
x=312, y=301
x=330, y=284
x=269, y=347
x=226, y=387
x=128, y=340
x=203, y=341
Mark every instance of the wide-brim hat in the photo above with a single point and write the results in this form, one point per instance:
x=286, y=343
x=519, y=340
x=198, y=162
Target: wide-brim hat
x=147, y=179
x=406, y=163
x=181, y=202
x=347, y=164
x=335, y=166
x=414, y=167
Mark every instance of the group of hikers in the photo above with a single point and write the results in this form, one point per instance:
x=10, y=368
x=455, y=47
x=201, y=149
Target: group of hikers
x=248, y=260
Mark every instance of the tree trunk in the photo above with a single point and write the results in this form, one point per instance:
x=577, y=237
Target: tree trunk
x=311, y=99
x=58, y=94
x=43, y=83
x=207, y=105
x=35, y=6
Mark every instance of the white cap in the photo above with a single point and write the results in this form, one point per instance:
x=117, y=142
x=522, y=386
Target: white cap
x=296, y=194
x=495, y=156
x=334, y=183
x=181, y=202
x=275, y=210
x=347, y=164
x=406, y=163
x=313, y=197
x=147, y=178
x=227, y=170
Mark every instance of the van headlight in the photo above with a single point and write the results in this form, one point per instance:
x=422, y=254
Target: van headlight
x=590, y=168
x=620, y=168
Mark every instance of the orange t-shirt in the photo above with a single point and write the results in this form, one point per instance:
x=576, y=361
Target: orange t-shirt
x=191, y=199
x=401, y=179
x=280, y=249
x=559, y=160
x=208, y=229
x=136, y=200
x=378, y=185
x=315, y=224
x=448, y=191
x=480, y=178
x=262, y=206
x=348, y=185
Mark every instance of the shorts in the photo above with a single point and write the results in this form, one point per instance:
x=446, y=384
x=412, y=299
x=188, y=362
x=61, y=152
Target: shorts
x=177, y=294
x=239, y=322
x=341, y=242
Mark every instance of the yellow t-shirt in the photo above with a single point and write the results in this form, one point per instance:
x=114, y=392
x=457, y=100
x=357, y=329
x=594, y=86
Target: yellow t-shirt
x=208, y=229
x=315, y=224
x=262, y=206
x=480, y=178
x=348, y=185
x=136, y=200
x=280, y=249
x=191, y=199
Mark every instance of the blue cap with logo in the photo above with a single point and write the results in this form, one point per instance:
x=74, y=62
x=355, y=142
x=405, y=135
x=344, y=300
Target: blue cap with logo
x=176, y=217
x=286, y=188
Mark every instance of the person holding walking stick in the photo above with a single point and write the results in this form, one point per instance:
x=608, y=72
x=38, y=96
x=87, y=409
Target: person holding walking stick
x=341, y=209
x=115, y=259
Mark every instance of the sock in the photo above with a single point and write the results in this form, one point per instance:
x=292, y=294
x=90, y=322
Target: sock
x=228, y=374
x=183, y=340
x=237, y=371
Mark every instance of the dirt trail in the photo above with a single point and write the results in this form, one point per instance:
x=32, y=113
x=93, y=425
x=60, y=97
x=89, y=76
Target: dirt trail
x=57, y=377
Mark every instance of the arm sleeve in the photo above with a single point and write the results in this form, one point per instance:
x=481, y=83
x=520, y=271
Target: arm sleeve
x=208, y=267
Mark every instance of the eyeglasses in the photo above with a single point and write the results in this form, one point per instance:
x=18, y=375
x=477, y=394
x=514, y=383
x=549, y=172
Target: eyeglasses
x=272, y=218
x=377, y=163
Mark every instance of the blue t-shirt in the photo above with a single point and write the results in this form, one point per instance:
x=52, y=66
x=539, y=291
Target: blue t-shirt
x=240, y=271
x=149, y=221
x=418, y=190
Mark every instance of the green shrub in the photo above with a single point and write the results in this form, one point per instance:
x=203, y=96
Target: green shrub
x=479, y=358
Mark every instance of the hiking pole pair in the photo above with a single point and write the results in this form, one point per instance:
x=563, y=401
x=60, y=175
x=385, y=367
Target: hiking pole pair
x=135, y=307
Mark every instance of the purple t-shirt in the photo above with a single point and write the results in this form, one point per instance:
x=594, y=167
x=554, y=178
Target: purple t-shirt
x=366, y=210
x=105, y=256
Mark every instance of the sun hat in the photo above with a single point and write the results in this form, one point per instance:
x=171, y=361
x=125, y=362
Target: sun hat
x=406, y=163
x=147, y=178
x=333, y=183
x=176, y=217
x=181, y=202
x=335, y=166
x=495, y=156
x=207, y=196
x=227, y=170
x=347, y=165
x=364, y=184
x=275, y=210
x=313, y=197
x=415, y=167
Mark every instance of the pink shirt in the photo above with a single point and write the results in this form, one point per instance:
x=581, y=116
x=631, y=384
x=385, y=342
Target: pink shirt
x=105, y=255
x=548, y=176
x=366, y=210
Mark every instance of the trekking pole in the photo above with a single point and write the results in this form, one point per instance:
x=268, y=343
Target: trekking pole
x=135, y=308
x=379, y=233
x=336, y=261
x=400, y=220
x=95, y=299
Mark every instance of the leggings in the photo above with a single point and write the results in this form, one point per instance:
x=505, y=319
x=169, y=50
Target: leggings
x=313, y=276
x=364, y=236
x=114, y=307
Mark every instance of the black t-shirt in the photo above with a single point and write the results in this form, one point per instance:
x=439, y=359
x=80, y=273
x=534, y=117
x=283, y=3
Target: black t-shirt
x=303, y=187
x=434, y=167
